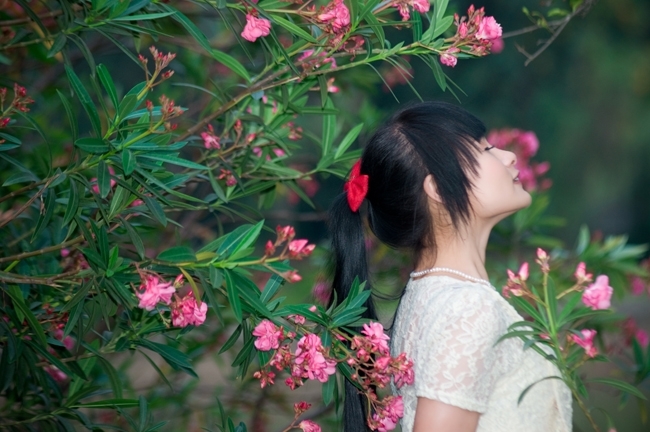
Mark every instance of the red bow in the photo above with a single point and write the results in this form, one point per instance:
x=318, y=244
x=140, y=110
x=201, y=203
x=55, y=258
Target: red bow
x=356, y=187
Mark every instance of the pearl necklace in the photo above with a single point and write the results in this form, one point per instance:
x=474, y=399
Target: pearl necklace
x=448, y=270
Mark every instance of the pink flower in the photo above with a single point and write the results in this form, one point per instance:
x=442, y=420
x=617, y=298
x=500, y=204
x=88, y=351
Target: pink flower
x=462, y=30
x=421, y=6
x=292, y=276
x=384, y=424
x=301, y=407
x=586, y=341
x=642, y=337
x=375, y=333
x=529, y=143
x=597, y=295
x=153, y=290
x=285, y=233
x=309, y=356
x=299, y=248
x=187, y=312
x=268, y=336
x=56, y=373
x=68, y=341
x=448, y=59
x=269, y=248
x=210, y=141
x=497, y=46
x=265, y=377
x=638, y=286
x=337, y=15
x=298, y=319
x=581, y=274
x=489, y=29
x=255, y=27
x=523, y=272
x=322, y=292
x=309, y=426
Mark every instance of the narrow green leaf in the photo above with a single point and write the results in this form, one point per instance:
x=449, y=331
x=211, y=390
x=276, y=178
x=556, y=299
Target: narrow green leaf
x=231, y=340
x=17, y=298
x=143, y=17
x=174, y=357
x=523, y=393
x=233, y=297
x=328, y=390
x=271, y=288
x=134, y=236
x=73, y=203
x=442, y=26
x=621, y=385
x=58, y=45
x=92, y=145
x=293, y=28
x=128, y=162
x=85, y=99
x=377, y=29
x=231, y=63
x=103, y=179
x=156, y=210
x=329, y=129
x=19, y=177
x=177, y=254
x=44, y=219
x=174, y=160
x=348, y=140
x=109, y=85
x=108, y=403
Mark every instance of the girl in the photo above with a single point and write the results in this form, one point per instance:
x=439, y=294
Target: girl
x=436, y=187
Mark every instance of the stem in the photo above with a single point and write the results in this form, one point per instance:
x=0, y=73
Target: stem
x=43, y=251
x=585, y=410
x=30, y=201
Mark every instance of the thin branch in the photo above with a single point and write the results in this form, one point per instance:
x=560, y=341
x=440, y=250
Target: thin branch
x=29, y=19
x=533, y=56
x=29, y=202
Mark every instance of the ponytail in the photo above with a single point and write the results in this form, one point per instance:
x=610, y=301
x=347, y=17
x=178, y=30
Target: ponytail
x=349, y=259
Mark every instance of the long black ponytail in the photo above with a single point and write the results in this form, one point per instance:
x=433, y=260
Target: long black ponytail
x=427, y=138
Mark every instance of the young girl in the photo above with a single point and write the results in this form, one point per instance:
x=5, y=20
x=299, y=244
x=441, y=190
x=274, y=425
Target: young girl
x=434, y=186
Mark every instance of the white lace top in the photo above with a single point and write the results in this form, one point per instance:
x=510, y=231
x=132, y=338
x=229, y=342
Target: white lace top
x=448, y=327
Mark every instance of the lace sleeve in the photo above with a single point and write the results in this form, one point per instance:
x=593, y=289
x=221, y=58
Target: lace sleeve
x=456, y=361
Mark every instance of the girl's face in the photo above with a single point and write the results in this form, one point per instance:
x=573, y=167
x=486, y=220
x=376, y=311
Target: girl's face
x=497, y=191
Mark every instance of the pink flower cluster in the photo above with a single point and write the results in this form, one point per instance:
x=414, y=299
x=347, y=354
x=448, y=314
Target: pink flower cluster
x=19, y=103
x=524, y=144
x=516, y=284
x=368, y=355
x=403, y=6
x=586, y=340
x=335, y=16
x=185, y=311
x=293, y=249
x=598, y=295
x=475, y=32
x=632, y=331
x=255, y=27
x=210, y=140
x=311, y=60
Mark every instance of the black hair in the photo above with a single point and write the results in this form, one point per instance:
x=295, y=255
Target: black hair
x=426, y=138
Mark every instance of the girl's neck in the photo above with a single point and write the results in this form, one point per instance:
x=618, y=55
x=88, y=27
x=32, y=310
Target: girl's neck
x=462, y=250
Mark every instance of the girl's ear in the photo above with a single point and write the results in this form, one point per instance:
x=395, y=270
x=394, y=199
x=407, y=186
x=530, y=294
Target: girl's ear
x=430, y=189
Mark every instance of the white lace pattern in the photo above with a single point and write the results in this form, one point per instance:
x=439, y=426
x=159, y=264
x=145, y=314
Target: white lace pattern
x=449, y=327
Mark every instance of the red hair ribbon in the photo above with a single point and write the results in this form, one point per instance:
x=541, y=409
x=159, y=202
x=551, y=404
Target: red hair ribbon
x=356, y=187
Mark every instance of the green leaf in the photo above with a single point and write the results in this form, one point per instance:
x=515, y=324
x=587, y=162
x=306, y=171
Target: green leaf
x=92, y=145
x=249, y=237
x=113, y=377
x=17, y=298
x=71, y=117
x=328, y=389
x=271, y=288
x=156, y=210
x=438, y=74
x=144, y=17
x=108, y=403
x=329, y=129
x=621, y=385
x=177, y=254
x=134, y=236
x=103, y=179
x=174, y=357
x=44, y=219
x=293, y=28
x=231, y=63
x=523, y=393
x=58, y=45
x=348, y=140
x=233, y=297
x=85, y=99
x=231, y=340
x=174, y=160
x=19, y=177
x=442, y=26
x=73, y=203
x=377, y=29
x=107, y=82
